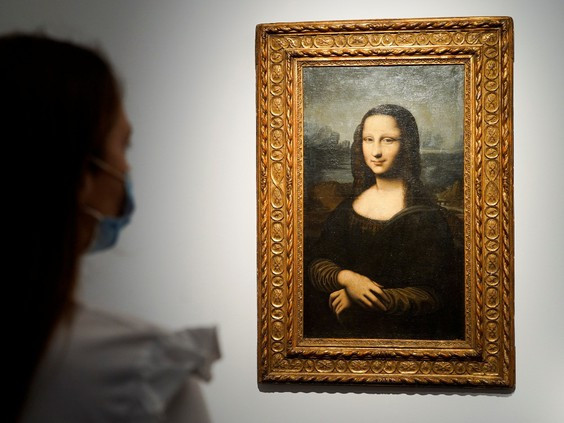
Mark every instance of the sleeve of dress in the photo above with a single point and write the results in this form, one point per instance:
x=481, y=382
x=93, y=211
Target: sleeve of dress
x=329, y=254
x=323, y=275
x=172, y=360
x=412, y=300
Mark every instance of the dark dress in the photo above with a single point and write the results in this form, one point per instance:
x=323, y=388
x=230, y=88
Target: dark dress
x=413, y=256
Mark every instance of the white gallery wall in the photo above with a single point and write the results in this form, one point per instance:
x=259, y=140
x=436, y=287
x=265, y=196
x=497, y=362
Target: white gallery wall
x=189, y=257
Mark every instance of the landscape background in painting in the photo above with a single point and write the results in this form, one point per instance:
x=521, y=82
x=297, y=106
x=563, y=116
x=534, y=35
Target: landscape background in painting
x=336, y=99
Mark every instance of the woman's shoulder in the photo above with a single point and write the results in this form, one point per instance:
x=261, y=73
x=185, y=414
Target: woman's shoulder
x=114, y=365
x=103, y=324
x=343, y=209
x=420, y=216
x=421, y=212
x=428, y=222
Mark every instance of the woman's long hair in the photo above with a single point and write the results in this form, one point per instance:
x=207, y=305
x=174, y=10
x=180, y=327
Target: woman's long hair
x=58, y=102
x=407, y=165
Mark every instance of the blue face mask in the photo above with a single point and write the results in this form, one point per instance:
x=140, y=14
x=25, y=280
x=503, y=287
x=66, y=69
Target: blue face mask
x=108, y=228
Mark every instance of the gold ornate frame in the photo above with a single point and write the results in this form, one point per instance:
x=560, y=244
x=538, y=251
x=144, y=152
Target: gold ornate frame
x=486, y=356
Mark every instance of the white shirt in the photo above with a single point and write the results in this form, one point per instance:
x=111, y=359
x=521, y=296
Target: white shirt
x=108, y=368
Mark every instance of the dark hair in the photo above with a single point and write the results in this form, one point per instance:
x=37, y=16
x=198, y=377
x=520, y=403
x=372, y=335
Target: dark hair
x=408, y=163
x=58, y=102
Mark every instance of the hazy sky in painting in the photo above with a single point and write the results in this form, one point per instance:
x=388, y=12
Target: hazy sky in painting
x=339, y=96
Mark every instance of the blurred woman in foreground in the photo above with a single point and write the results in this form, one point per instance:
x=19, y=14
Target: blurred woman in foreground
x=63, y=122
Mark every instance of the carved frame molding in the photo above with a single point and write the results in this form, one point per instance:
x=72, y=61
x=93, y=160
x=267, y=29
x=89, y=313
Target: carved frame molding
x=485, y=47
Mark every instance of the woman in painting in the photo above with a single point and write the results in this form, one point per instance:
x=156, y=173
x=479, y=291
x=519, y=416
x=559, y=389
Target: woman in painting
x=386, y=257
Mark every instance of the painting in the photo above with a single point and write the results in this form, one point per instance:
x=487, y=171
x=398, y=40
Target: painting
x=386, y=248
x=385, y=202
